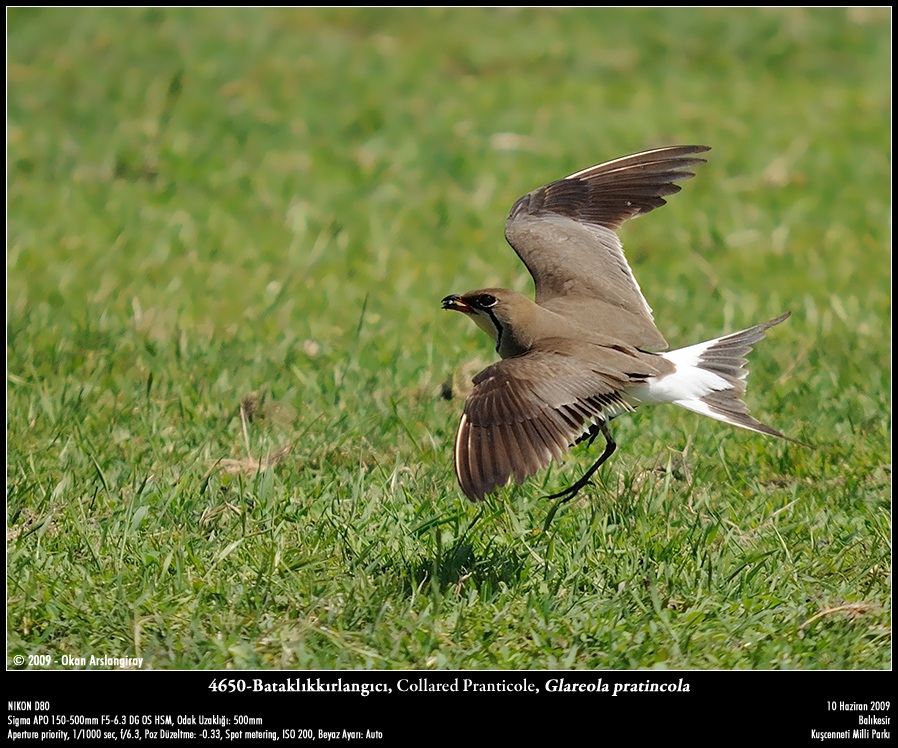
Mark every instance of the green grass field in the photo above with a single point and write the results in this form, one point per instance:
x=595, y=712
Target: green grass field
x=228, y=235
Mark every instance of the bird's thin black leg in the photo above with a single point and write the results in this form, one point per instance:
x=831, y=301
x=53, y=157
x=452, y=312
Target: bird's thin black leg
x=610, y=446
x=589, y=435
x=570, y=492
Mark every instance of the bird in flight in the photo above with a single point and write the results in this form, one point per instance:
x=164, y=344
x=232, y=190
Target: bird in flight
x=587, y=349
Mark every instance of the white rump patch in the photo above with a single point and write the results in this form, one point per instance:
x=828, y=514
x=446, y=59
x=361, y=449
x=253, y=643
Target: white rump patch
x=685, y=386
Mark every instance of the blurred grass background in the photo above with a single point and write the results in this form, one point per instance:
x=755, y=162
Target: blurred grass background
x=216, y=211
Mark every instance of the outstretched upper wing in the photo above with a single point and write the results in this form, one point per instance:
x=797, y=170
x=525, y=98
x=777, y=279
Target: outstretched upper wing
x=565, y=233
x=526, y=410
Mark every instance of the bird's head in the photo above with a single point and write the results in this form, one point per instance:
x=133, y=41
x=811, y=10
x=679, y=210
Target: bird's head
x=498, y=312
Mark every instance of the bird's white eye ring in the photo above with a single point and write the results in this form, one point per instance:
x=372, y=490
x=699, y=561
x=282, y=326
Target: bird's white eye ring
x=485, y=301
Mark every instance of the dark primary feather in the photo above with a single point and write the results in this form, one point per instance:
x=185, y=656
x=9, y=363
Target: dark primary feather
x=609, y=194
x=526, y=411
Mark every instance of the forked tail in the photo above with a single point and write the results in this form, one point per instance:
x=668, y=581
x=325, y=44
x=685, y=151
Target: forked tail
x=710, y=378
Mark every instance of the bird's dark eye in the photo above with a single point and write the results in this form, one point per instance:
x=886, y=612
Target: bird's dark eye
x=485, y=301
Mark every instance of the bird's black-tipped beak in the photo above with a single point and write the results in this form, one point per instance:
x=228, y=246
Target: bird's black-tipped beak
x=455, y=302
